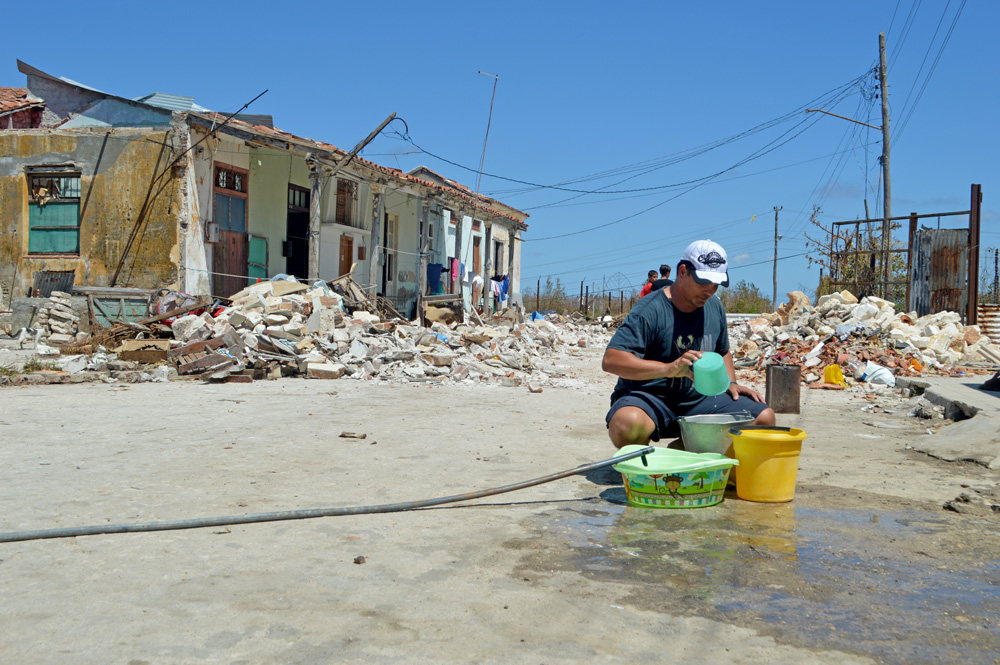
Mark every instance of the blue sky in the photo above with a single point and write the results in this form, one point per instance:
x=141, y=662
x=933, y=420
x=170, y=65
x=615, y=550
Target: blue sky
x=595, y=98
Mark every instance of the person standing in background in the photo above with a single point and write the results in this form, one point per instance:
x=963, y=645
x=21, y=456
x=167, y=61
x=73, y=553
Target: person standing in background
x=648, y=286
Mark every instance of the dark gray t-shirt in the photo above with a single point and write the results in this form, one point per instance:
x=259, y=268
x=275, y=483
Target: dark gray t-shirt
x=656, y=330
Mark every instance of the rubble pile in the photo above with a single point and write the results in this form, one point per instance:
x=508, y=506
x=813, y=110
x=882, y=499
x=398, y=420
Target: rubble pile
x=843, y=331
x=58, y=324
x=278, y=328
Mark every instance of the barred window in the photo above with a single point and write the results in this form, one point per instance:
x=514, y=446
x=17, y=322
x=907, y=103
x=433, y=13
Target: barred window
x=53, y=213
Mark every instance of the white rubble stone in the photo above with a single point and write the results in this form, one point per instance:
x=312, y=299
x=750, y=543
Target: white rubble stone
x=185, y=325
x=864, y=312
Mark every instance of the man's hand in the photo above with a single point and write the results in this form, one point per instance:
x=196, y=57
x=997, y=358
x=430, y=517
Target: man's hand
x=629, y=366
x=735, y=390
x=681, y=368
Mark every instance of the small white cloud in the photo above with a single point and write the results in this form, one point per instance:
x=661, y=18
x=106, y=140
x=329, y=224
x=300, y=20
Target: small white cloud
x=739, y=259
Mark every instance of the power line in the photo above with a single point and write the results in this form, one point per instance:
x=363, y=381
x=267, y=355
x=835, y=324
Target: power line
x=772, y=146
x=910, y=17
x=715, y=182
x=835, y=95
x=930, y=72
x=926, y=54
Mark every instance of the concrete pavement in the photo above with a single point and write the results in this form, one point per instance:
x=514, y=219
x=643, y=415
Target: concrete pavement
x=975, y=436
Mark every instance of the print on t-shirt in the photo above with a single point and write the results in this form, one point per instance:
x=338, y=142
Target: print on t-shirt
x=681, y=345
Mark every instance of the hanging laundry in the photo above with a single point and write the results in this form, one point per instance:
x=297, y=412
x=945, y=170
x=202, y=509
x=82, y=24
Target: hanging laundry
x=504, y=285
x=434, y=278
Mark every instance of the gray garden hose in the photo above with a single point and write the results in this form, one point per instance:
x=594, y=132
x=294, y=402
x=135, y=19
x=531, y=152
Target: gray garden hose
x=199, y=523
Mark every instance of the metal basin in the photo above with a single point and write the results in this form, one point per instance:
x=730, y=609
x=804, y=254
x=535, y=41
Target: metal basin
x=709, y=433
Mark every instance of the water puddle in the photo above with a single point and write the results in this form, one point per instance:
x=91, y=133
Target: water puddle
x=895, y=582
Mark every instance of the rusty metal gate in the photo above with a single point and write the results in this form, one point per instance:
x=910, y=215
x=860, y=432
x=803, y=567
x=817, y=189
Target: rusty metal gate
x=939, y=271
x=935, y=270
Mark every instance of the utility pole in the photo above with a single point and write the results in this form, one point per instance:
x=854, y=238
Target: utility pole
x=996, y=274
x=774, y=298
x=886, y=186
x=318, y=171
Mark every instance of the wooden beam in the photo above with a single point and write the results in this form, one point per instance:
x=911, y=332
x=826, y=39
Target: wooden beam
x=202, y=302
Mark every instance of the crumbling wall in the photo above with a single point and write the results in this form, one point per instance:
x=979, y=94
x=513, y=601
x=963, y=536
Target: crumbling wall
x=117, y=172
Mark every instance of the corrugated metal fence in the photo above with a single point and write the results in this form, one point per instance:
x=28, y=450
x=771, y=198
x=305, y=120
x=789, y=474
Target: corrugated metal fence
x=989, y=321
x=939, y=269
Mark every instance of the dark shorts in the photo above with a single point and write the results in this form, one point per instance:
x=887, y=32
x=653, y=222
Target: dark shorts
x=666, y=417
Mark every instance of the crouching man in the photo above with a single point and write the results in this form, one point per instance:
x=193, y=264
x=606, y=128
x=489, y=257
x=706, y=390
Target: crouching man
x=653, y=351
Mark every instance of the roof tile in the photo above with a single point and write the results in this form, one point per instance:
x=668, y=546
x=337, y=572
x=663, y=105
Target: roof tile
x=462, y=193
x=12, y=99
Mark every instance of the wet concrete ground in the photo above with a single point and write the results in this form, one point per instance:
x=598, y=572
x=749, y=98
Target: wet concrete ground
x=901, y=585
x=864, y=566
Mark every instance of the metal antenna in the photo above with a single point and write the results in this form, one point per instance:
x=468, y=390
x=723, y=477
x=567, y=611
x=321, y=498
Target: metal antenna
x=482, y=160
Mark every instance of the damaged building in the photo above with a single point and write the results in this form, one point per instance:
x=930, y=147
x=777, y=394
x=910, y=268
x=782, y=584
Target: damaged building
x=156, y=191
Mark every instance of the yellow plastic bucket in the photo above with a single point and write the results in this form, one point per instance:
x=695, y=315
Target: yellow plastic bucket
x=769, y=462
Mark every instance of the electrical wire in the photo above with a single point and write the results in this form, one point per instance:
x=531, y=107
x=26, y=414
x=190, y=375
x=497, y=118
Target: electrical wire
x=926, y=55
x=675, y=158
x=714, y=182
x=907, y=25
x=930, y=73
x=770, y=147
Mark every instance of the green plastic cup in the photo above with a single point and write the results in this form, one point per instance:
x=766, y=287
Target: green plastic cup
x=710, y=375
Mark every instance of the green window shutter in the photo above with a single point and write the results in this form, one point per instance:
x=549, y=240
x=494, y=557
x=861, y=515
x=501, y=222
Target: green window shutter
x=257, y=258
x=54, y=228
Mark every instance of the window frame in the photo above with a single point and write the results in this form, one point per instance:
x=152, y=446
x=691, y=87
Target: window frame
x=302, y=193
x=35, y=208
x=346, y=213
x=225, y=190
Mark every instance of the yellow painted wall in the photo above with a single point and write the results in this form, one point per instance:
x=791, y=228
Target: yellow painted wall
x=117, y=170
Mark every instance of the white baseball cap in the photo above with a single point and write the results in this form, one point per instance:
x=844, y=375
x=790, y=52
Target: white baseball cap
x=708, y=261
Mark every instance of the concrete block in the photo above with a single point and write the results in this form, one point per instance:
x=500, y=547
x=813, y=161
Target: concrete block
x=438, y=359
x=63, y=315
x=221, y=328
x=325, y=370
x=239, y=320
x=322, y=321
x=59, y=339
x=279, y=319
x=186, y=325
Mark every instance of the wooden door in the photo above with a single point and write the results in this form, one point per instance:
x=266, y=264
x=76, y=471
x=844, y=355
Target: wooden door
x=229, y=261
x=346, y=253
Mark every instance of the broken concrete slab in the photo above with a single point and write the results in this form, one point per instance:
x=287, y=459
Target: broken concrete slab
x=144, y=350
x=325, y=370
x=976, y=439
